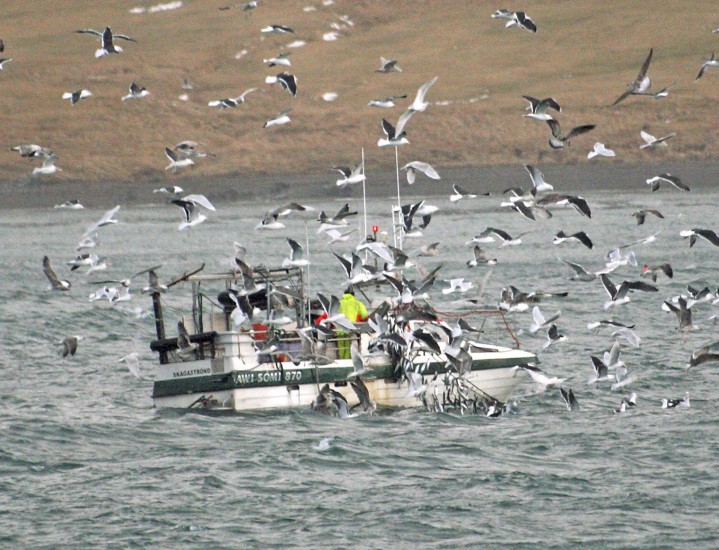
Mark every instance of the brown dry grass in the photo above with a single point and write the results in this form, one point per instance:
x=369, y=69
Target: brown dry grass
x=583, y=55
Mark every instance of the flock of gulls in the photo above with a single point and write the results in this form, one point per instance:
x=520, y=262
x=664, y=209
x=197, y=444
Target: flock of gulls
x=537, y=202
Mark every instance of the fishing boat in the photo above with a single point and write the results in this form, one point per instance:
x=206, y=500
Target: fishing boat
x=249, y=347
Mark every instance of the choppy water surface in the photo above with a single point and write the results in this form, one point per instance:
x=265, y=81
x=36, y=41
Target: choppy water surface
x=87, y=462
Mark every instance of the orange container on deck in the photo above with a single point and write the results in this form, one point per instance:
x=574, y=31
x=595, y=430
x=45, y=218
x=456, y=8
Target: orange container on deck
x=259, y=332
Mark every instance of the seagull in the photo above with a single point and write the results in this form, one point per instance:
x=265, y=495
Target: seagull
x=706, y=234
x=48, y=166
x=419, y=104
x=653, y=271
x=279, y=59
x=69, y=345
x=538, y=107
x=73, y=204
x=136, y=92
x=385, y=103
x=362, y=393
x=656, y=181
x=395, y=135
x=278, y=29
x=704, y=354
x=676, y=403
x=3, y=61
x=640, y=84
x=458, y=193
x=541, y=380
x=106, y=37
x=350, y=175
x=388, y=66
x=480, y=258
x=620, y=295
x=287, y=80
x=600, y=151
x=539, y=321
x=32, y=150
x=651, y=142
x=457, y=285
x=627, y=403
x=581, y=273
x=337, y=236
x=506, y=238
x=189, y=149
x=411, y=168
x=174, y=190
x=107, y=219
x=55, y=282
x=77, y=95
x=580, y=236
x=184, y=344
x=279, y=120
x=569, y=399
x=553, y=336
x=641, y=215
x=558, y=140
x=175, y=160
x=190, y=205
x=601, y=371
x=711, y=62
x=230, y=102
x=683, y=313
x=517, y=19
x=575, y=201
x=297, y=255
x=132, y=362
x=538, y=183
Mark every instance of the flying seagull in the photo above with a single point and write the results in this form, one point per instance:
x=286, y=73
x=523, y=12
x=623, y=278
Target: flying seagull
x=32, y=150
x=55, y=282
x=640, y=84
x=287, y=81
x=69, y=345
x=48, y=166
x=706, y=234
x=395, y=135
x=230, y=102
x=175, y=160
x=278, y=29
x=77, y=95
x=3, y=61
x=279, y=59
x=538, y=107
x=106, y=37
x=136, y=92
x=569, y=399
x=279, y=120
x=387, y=102
x=711, y=62
x=656, y=181
x=641, y=215
x=419, y=104
x=388, y=66
x=600, y=150
x=417, y=166
x=538, y=183
x=650, y=141
x=558, y=140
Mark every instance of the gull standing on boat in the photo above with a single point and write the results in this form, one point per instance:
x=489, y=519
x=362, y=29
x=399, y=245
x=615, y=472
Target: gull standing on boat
x=48, y=166
x=136, y=92
x=230, y=102
x=55, y=282
x=106, y=37
x=411, y=168
x=77, y=95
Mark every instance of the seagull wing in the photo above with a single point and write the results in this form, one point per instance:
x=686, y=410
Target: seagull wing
x=200, y=200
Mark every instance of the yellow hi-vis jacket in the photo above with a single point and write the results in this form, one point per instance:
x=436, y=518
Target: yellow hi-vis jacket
x=352, y=308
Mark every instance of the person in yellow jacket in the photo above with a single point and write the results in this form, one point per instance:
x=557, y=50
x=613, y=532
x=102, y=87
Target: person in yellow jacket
x=355, y=311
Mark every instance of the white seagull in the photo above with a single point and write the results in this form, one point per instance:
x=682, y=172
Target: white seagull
x=3, y=61
x=538, y=107
x=385, y=103
x=419, y=104
x=48, y=166
x=55, y=282
x=600, y=151
x=413, y=167
x=458, y=193
x=388, y=66
x=297, y=255
x=650, y=141
x=537, y=179
x=711, y=62
x=279, y=120
x=395, y=134
x=279, y=59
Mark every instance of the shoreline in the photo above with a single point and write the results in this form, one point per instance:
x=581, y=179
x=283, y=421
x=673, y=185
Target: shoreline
x=571, y=178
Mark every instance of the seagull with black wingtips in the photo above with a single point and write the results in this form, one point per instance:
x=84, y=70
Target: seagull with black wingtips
x=696, y=233
x=640, y=84
x=287, y=81
x=579, y=236
x=652, y=142
x=538, y=107
x=136, y=92
x=569, y=399
x=107, y=38
x=231, y=102
x=558, y=140
x=711, y=62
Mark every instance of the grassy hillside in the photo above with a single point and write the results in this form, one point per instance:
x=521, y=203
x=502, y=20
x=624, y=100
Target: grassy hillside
x=583, y=55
